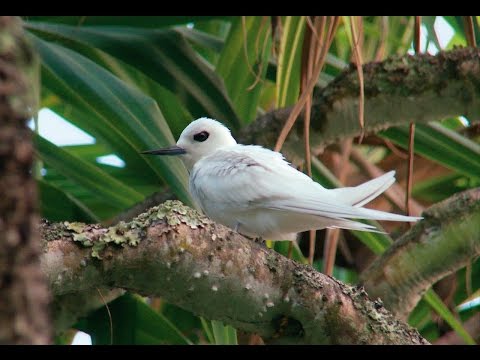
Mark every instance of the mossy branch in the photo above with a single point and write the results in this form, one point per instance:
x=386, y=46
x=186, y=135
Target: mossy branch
x=173, y=252
x=399, y=90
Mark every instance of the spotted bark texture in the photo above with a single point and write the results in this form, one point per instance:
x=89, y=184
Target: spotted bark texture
x=23, y=288
x=173, y=252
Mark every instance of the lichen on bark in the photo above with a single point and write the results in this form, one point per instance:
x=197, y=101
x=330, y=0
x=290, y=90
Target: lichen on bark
x=216, y=273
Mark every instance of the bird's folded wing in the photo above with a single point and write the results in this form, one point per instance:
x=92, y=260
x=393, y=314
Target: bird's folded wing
x=254, y=178
x=366, y=192
x=243, y=178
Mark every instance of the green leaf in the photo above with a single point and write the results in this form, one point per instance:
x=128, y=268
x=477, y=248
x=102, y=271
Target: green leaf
x=243, y=63
x=459, y=31
x=88, y=152
x=91, y=177
x=73, y=108
x=224, y=334
x=101, y=209
x=343, y=274
x=129, y=119
x=132, y=21
x=429, y=22
x=420, y=316
x=205, y=40
x=438, y=188
x=289, y=61
x=437, y=304
x=163, y=55
x=207, y=329
x=283, y=246
x=85, y=196
x=376, y=242
x=442, y=145
x=64, y=208
x=133, y=323
x=322, y=175
x=174, y=112
x=188, y=323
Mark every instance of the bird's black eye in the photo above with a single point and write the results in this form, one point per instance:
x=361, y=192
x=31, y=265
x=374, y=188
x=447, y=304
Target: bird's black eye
x=201, y=136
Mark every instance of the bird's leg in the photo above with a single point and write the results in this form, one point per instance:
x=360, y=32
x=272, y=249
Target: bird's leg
x=258, y=240
x=237, y=228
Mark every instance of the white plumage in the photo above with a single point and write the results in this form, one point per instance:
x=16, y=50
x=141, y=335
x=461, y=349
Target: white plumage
x=256, y=192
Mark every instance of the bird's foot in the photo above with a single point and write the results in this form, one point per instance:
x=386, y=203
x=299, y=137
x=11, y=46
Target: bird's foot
x=261, y=241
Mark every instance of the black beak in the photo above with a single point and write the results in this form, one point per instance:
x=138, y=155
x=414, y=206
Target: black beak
x=172, y=150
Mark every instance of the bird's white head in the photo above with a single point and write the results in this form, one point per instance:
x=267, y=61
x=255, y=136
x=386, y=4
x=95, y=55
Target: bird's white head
x=200, y=138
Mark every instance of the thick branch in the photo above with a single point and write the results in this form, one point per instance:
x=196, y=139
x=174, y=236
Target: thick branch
x=173, y=252
x=442, y=243
x=399, y=90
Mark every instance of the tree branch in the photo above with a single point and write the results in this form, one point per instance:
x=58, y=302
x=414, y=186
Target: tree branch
x=399, y=90
x=173, y=252
x=439, y=245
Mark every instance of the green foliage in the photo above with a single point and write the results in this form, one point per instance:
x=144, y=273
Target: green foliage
x=243, y=63
x=132, y=322
x=289, y=61
x=134, y=83
x=441, y=145
x=223, y=334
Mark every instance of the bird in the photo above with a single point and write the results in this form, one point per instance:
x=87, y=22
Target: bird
x=256, y=192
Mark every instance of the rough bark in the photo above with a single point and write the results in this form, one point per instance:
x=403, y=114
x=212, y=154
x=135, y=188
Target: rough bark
x=399, y=90
x=445, y=241
x=23, y=289
x=173, y=252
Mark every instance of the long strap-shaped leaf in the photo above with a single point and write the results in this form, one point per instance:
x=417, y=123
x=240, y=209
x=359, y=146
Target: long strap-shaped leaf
x=126, y=113
x=243, y=63
x=163, y=55
x=441, y=145
x=110, y=189
x=133, y=323
x=66, y=206
x=288, y=71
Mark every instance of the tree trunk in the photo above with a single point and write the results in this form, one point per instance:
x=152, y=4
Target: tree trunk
x=23, y=288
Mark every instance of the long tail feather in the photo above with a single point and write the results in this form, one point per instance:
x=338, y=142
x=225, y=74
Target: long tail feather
x=355, y=225
x=362, y=194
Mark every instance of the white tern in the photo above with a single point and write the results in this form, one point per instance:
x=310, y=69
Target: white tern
x=254, y=191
